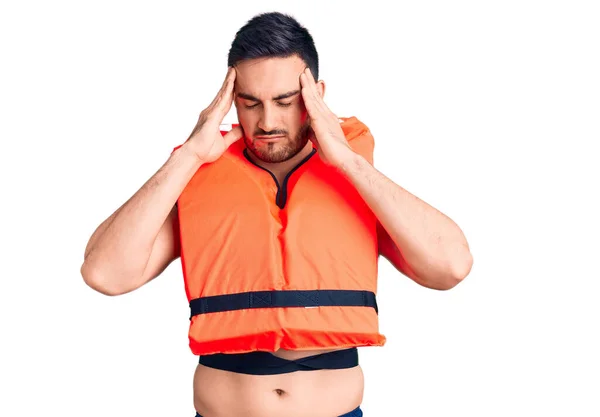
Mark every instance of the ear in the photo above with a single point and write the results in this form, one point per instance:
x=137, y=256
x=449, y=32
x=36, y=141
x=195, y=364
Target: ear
x=321, y=88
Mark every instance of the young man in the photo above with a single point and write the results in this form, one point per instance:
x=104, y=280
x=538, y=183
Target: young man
x=279, y=224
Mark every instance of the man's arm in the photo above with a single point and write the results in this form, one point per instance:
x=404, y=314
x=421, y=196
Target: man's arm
x=139, y=240
x=421, y=242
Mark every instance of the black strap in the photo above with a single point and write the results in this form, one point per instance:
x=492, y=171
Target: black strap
x=265, y=363
x=290, y=298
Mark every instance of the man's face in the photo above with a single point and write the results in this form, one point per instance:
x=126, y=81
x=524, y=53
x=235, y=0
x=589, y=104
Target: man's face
x=270, y=107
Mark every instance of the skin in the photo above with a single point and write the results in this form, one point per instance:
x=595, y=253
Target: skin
x=259, y=85
x=140, y=239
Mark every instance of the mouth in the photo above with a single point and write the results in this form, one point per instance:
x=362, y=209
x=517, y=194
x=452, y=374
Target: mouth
x=270, y=138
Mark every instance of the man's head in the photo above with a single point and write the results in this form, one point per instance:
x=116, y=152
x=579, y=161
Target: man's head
x=269, y=54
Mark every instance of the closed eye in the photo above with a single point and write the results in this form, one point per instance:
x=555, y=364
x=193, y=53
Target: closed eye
x=278, y=103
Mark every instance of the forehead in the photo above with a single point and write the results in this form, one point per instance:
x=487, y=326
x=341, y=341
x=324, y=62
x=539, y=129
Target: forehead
x=267, y=77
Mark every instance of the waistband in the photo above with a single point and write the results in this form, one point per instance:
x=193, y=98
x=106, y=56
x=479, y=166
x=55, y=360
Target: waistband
x=265, y=363
x=357, y=412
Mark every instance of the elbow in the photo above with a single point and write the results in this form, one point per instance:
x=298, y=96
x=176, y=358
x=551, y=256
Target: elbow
x=94, y=279
x=458, y=271
x=449, y=276
x=446, y=274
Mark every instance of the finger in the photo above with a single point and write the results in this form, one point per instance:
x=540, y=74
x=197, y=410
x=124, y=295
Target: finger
x=310, y=76
x=226, y=96
x=226, y=87
x=233, y=135
x=311, y=85
x=311, y=98
x=229, y=78
x=307, y=94
x=312, y=136
x=224, y=99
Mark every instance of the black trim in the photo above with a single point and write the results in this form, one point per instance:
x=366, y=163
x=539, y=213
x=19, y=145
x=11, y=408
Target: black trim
x=281, y=198
x=259, y=362
x=283, y=298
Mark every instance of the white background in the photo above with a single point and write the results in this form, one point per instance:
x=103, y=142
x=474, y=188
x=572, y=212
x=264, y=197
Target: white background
x=486, y=110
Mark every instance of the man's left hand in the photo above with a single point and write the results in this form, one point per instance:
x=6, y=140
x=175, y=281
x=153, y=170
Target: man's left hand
x=330, y=140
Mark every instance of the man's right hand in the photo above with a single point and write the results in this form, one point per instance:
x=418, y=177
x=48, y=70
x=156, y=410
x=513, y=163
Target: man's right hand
x=206, y=140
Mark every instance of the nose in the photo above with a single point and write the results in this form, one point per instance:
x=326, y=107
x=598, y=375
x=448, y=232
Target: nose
x=267, y=121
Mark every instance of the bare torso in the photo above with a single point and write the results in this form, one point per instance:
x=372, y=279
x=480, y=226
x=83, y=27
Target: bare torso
x=319, y=393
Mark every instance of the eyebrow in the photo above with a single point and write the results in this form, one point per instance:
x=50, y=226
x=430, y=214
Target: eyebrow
x=279, y=97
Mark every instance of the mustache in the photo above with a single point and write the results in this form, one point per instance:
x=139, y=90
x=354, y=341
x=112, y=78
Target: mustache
x=271, y=133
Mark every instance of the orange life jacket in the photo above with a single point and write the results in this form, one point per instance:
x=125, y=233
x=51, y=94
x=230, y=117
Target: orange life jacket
x=269, y=266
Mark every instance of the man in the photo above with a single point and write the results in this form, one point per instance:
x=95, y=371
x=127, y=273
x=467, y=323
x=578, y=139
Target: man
x=292, y=216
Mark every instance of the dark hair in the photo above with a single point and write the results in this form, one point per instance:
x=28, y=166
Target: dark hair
x=274, y=34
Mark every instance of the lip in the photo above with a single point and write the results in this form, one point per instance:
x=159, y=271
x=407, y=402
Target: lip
x=269, y=138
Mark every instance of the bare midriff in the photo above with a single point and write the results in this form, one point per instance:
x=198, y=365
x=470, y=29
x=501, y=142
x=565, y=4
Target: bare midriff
x=317, y=393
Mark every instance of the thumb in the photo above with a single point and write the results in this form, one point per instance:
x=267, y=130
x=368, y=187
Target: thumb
x=233, y=135
x=313, y=137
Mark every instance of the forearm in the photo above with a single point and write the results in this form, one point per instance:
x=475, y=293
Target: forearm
x=432, y=245
x=121, y=246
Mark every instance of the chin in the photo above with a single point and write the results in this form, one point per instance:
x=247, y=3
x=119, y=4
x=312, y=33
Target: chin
x=276, y=152
x=275, y=157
